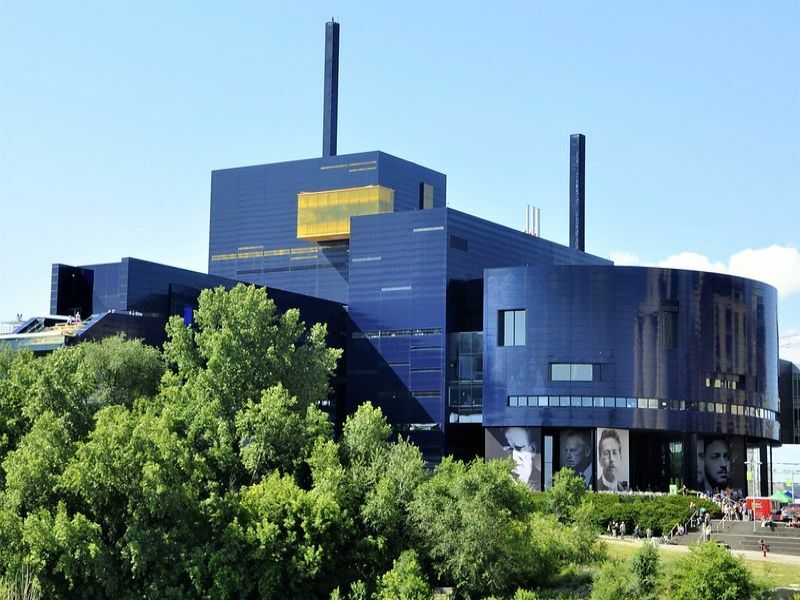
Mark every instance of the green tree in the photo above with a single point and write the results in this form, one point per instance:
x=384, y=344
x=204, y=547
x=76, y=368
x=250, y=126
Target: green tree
x=276, y=540
x=565, y=495
x=710, y=572
x=473, y=526
x=273, y=434
x=405, y=580
x=68, y=554
x=242, y=347
x=138, y=478
x=121, y=370
x=375, y=481
x=17, y=373
x=33, y=470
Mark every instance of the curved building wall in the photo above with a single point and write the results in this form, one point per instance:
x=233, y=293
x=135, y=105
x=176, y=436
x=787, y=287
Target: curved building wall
x=662, y=349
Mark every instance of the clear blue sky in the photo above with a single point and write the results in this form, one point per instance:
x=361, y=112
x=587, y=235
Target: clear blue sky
x=112, y=116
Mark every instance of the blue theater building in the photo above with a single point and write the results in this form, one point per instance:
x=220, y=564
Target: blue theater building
x=476, y=339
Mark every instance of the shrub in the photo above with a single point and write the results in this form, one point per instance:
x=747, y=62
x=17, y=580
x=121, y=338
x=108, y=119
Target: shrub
x=645, y=567
x=612, y=582
x=404, y=581
x=659, y=513
x=710, y=571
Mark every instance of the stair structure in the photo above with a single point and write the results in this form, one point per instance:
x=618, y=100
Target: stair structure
x=740, y=535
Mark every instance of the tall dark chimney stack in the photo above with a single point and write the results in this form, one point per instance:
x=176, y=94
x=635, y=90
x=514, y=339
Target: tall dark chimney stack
x=577, y=191
x=331, y=106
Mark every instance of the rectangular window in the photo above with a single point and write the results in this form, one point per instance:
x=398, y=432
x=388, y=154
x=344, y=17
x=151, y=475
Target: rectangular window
x=572, y=372
x=425, y=196
x=670, y=328
x=458, y=243
x=512, y=327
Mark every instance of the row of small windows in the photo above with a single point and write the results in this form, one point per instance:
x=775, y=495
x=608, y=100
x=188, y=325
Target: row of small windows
x=608, y=402
x=725, y=381
x=390, y=333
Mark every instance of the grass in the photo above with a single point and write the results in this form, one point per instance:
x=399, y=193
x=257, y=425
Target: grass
x=775, y=573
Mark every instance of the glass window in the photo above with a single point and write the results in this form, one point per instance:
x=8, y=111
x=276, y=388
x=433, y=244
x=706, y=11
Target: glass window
x=542, y=400
x=620, y=402
x=630, y=402
x=609, y=402
x=519, y=327
x=586, y=401
x=575, y=401
x=425, y=196
x=477, y=395
x=559, y=372
x=465, y=367
x=465, y=395
x=642, y=402
x=598, y=401
x=670, y=327
x=563, y=400
x=652, y=403
x=582, y=372
x=512, y=328
x=571, y=372
x=508, y=328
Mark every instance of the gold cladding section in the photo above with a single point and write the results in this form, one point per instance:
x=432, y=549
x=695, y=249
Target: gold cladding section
x=325, y=216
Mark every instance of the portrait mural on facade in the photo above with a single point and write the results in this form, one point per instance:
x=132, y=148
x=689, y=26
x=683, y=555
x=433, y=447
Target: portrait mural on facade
x=613, y=465
x=575, y=452
x=524, y=446
x=717, y=463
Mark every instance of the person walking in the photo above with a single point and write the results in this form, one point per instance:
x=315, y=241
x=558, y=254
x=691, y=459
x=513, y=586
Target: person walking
x=763, y=547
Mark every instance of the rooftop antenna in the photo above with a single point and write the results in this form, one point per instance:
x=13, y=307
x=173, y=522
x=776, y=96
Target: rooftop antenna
x=533, y=220
x=331, y=99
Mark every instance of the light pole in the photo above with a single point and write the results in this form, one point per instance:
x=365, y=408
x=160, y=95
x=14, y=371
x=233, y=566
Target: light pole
x=755, y=463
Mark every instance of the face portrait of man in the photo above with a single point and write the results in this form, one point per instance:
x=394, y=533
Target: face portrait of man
x=610, y=450
x=575, y=451
x=717, y=462
x=524, y=451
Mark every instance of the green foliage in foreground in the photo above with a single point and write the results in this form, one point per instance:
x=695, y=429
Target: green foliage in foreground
x=209, y=472
x=706, y=571
x=712, y=572
x=637, y=578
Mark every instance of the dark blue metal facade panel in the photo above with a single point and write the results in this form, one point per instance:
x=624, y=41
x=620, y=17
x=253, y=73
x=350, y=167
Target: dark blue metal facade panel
x=254, y=218
x=397, y=309
x=710, y=375
x=415, y=277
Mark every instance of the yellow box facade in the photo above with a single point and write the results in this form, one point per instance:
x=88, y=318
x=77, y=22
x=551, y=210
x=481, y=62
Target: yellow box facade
x=325, y=216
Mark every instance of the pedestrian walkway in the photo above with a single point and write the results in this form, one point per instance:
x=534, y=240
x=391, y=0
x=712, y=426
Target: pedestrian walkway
x=753, y=555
